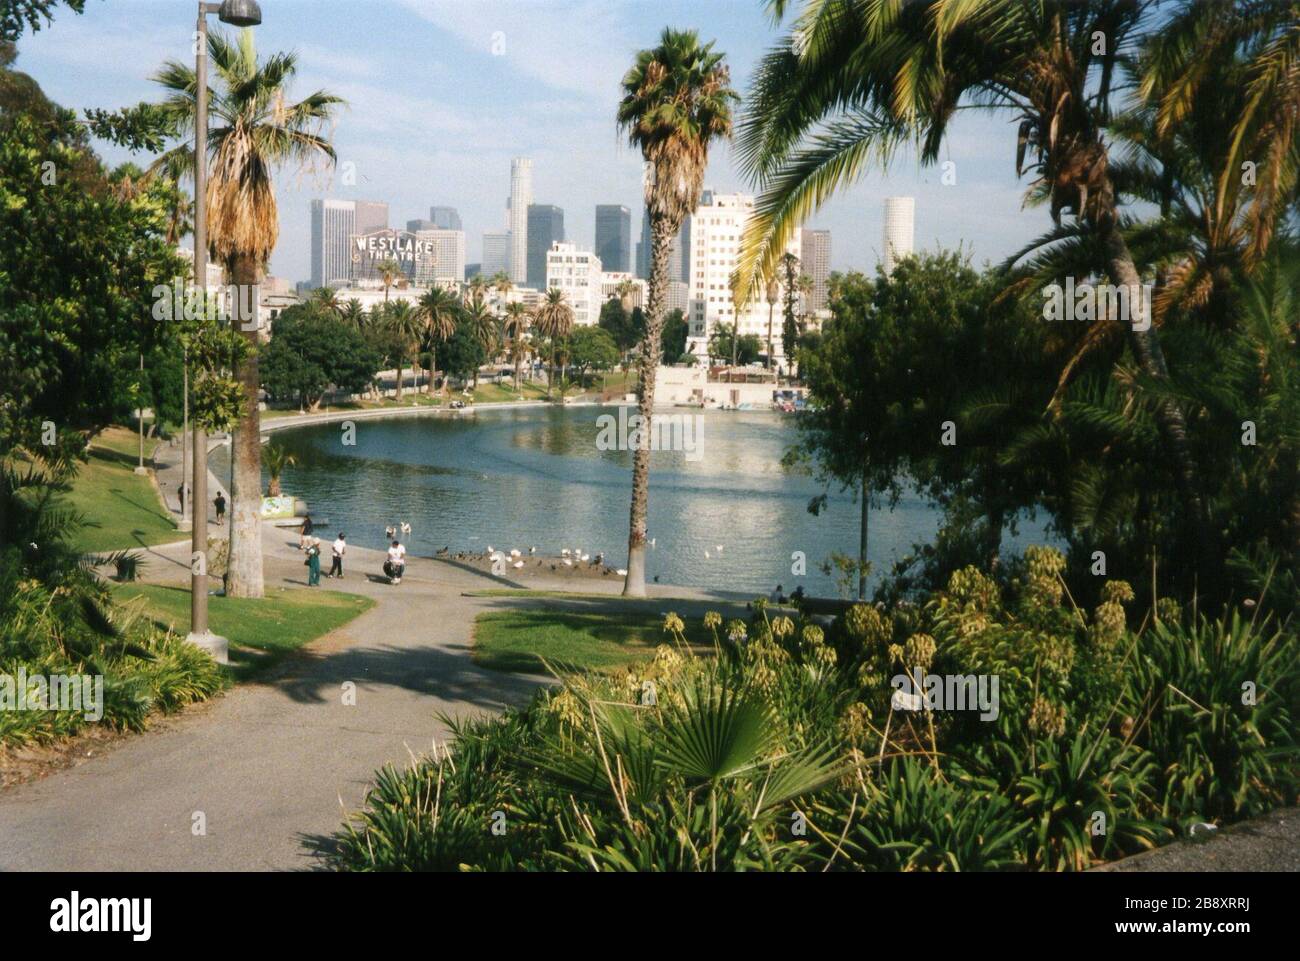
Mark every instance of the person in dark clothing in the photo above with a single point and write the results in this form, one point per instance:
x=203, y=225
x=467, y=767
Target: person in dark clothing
x=339, y=548
x=304, y=536
x=220, y=503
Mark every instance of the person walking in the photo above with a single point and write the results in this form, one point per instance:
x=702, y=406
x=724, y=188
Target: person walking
x=313, y=562
x=219, y=502
x=340, y=548
x=304, y=534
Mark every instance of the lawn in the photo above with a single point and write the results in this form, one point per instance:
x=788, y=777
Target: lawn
x=518, y=640
x=260, y=630
x=121, y=507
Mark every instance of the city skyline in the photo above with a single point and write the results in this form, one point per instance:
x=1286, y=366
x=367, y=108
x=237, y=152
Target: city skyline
x=431, y=103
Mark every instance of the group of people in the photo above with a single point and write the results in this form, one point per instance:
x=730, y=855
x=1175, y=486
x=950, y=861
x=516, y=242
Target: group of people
x=310, y=544
x=394, y=566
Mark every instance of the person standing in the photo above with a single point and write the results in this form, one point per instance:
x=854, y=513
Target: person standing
x=313, y=562
x=219, y=502
x=336, y=563
x=304, y=535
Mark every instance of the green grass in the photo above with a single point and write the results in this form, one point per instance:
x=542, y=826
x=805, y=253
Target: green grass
x=261, y=631
x=122, y=508
x=519, y=640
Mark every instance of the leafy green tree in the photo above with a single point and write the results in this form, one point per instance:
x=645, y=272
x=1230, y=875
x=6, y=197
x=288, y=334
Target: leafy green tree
x=625, y=326
x=746, y=351
x=591, y=348
x=312, y=349
x=674, y=335
x=463, y=354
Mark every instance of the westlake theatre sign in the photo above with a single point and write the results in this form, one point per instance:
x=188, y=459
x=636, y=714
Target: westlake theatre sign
x=408, y=250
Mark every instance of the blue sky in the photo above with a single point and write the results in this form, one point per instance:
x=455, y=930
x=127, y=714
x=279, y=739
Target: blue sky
x=435, y=115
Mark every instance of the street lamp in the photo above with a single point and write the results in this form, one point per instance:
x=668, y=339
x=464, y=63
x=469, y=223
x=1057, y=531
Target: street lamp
x=773, y=292
x=237, y=13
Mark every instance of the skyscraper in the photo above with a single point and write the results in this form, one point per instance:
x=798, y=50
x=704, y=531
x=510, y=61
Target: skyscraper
x=496, y=252
x=371, y=215
x=332, y=223
x=446, y=218
x=545, y=227
x=614, y=237
x=815, y=261
x=900, y=213
x=448, y=261
x=521, y=198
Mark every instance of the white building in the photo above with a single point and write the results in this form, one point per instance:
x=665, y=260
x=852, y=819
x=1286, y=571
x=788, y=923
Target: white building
x=609, y=284
x=496, y=252
x=448, y=261
x=333, y=222
x=900, y=230
x=521, y=196
x=717, y=227
x=578, y=275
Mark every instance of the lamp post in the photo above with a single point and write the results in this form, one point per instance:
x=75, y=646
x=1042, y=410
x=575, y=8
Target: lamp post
x=773, y=292
x=238, y=13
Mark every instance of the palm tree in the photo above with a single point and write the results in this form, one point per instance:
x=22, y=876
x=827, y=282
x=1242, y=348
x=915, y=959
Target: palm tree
x=514, y=326
x=438, y=309
x=626, y=291
x=773, y=295
x=553, y=318
x=502, y=283
x=327, y=298
x=406, y=326
x=353, y=313
x=390, y=272
x=276, y=459
x=846, y=88
x=257, y=128
x=676, y=101
x=476, y=289
x=483, y=324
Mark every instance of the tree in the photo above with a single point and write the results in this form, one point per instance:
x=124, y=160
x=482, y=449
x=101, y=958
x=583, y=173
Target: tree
x=676, y=101
x=462, y=354
x=354, y=313
x=404, y=323
x=789, y=323
x=674, y=334
x=742, y=352
x=328, y=299
x=553, y=319
x=257, y=129
x=625, y=291
x=484, y=325
x=623, y=325
x=277, y=458
x=311, y=349
x=438, y=309
x=827, y=101
x=390, y=272
x=514, y=327
x=591, y=348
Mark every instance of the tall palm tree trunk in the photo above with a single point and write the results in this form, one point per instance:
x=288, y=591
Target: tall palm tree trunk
x=401, y=369
x=245, y=564
x=1172, y=421
x=662, y=232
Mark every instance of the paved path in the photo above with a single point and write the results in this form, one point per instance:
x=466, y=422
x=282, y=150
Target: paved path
x=270, y=761
x=1267, y=843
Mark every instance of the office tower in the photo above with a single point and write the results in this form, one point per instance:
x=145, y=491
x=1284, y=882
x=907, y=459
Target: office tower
x=372, y=215
x=900, y=213
x=473, y=270
x=576, y=274
x=496, y=252
x=717, y=227
x=521, y=198
x=614, y=237
x=415, y=226
x=446, y=218
x=446, y=264
x=679, y=255
x=815, y=261
x=545, y=227
x=332, y=224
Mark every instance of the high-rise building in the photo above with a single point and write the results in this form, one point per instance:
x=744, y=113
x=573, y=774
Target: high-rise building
x=446, y=218
x=372, y=215
x=717, y=227
x=815, y=261
x=545, y=227
x=447, y=265
x=496, y=252
x=333, y=222
x=614, y=237
x=900, y=230
x=577, y=274
x=473, y=270
x=521, y=198
x=679, y=255
x=419, y=224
